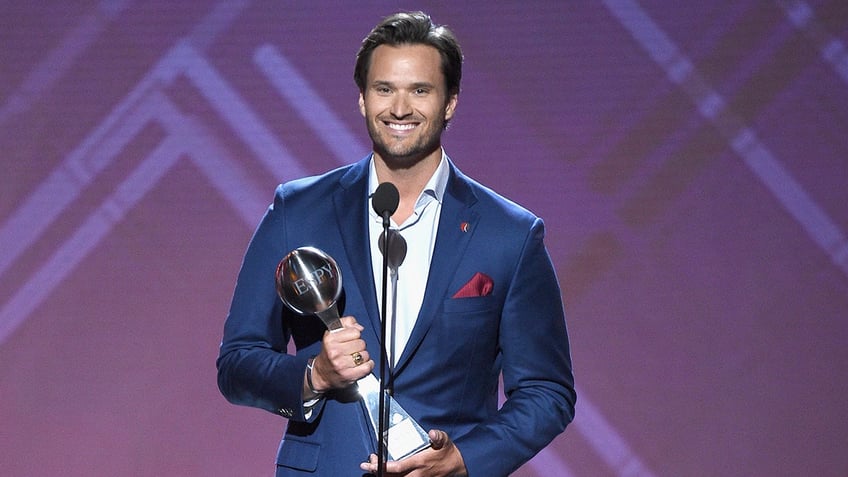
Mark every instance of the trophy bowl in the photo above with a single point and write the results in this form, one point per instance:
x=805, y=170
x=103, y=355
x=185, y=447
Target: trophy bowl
x=309, y=282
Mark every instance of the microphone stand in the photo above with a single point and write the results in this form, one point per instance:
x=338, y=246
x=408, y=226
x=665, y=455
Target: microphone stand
x=383, y=418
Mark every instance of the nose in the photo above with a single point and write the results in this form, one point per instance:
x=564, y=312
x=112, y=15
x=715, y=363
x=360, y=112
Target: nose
x=400, y=107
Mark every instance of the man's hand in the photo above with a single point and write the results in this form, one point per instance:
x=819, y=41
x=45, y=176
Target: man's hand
x=343, y=358
x=442, y=459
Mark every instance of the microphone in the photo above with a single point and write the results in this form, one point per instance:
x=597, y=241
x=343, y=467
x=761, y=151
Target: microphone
x=385, y=201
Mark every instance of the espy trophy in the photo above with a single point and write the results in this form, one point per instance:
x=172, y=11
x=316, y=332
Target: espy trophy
x=309, y=282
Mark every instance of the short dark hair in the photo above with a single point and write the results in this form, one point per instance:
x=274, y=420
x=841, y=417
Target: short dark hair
x=410, y=28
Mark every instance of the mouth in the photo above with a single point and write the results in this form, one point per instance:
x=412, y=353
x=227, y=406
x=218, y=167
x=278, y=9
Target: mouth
x=400, y=128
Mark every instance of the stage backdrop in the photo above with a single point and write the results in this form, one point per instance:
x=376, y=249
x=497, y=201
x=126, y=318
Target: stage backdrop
x=690, y=160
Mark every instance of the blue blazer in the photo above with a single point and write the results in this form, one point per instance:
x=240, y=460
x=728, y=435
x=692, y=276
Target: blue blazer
x=447, y=377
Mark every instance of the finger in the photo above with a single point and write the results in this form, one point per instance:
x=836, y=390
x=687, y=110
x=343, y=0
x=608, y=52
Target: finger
x=357, y=358
x=403, y=466
x=350, y=322
x=363, y=359
x=342, y=335
x=343, y=344
x=371, y=465
x=365, y=368
x=438, y=439
x=349, y=350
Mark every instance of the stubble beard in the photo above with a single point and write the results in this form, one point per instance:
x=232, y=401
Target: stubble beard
x=397, y=155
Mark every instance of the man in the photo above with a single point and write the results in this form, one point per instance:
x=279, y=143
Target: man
x=476, y=295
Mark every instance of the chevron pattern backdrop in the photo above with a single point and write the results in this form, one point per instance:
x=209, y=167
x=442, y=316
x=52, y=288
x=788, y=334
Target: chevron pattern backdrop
x=690, y=160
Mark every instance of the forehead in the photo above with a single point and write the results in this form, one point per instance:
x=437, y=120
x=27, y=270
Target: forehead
x=406, y=63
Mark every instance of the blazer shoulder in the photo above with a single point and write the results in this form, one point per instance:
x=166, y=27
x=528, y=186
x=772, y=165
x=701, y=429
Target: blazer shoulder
x=311, y=185
x=318, y=188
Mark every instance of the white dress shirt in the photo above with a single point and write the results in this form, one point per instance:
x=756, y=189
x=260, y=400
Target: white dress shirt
x=405, y=291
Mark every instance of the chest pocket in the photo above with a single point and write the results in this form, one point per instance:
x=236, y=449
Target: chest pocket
x=477, y=304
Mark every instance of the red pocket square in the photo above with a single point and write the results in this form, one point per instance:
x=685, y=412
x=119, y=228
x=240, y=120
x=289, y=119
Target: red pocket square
x=479, y=285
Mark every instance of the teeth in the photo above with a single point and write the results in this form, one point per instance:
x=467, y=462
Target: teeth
x=401, y=127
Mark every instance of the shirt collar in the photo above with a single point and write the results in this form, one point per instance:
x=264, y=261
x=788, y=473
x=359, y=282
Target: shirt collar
x=434, y=188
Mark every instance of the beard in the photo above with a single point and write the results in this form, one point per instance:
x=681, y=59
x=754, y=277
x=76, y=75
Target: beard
x=405, y=152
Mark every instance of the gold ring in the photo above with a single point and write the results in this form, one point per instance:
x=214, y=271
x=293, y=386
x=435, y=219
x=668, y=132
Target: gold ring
x=357, y=358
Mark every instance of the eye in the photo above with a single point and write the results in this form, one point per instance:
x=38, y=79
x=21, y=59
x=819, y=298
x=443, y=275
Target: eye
x=421, y=91
x=383, y=90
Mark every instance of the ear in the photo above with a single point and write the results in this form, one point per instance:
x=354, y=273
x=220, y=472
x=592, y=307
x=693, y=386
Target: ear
x=450, y=108
x=362, y=103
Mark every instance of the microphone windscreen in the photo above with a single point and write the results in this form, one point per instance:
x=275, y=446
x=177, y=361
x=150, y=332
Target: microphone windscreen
x=385, y=199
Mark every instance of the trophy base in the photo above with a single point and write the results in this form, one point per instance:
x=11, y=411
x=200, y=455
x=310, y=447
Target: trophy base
x=404, y=436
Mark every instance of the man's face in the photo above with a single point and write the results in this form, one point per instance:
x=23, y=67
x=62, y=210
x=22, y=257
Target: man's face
x=405, y=103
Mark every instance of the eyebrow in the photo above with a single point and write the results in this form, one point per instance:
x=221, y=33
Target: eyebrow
x=420, y=84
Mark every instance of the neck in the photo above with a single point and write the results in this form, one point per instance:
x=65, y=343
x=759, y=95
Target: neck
x=410, y=181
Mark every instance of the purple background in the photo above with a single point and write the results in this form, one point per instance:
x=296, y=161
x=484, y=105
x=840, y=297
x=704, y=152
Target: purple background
x=689, y=159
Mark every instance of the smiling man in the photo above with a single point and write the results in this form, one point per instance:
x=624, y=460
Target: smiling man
x=475, y=298
x=407, y=104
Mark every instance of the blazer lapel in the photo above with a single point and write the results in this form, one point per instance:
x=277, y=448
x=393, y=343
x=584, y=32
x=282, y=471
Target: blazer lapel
x=351, y=204
x=457, y=223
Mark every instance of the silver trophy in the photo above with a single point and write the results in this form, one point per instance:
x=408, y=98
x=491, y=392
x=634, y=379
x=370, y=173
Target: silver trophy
x=309, y=282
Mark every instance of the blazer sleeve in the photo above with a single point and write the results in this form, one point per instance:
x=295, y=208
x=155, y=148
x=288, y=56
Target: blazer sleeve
x=254, y=368
x=537, y=373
